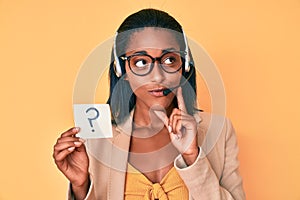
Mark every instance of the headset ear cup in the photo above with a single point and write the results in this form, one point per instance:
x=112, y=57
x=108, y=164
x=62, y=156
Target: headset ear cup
x=117, y=69
x=187, y=68
x=117, y=66
x=187, y=56
x=187, y=65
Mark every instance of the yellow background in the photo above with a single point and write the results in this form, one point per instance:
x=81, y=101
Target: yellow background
x=255, y=45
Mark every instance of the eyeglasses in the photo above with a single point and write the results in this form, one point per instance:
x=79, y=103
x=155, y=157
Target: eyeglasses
x=142, y=64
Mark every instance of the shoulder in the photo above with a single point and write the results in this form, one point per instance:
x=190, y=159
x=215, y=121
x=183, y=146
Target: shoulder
x=213, y=130
x=212, y=122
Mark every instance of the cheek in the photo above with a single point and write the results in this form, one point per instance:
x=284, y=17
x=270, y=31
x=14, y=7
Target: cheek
x=135, y=82
x=174, y=79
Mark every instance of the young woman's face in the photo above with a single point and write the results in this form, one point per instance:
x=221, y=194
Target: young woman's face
x=149, y=88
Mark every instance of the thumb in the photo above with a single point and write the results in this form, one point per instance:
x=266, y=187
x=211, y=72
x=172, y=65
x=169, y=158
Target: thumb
x=81, y=148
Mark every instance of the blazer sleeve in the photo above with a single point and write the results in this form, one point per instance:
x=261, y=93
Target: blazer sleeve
x=90, y=195
x=201, y=179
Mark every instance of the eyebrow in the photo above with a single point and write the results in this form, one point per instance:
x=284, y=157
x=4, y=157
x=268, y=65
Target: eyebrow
x=163, y=51
x=168, y=50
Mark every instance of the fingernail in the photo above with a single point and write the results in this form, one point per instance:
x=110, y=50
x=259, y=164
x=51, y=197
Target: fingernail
x=81, y=140
x=77, y=143
x=76, y=129
x=177, y=137
x=71, y=148
x=169, y=129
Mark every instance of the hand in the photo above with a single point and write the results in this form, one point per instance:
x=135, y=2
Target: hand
x=182, y=129
x=71, y=158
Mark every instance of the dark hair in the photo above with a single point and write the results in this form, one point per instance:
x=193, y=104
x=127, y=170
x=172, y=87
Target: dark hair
x=123, y=100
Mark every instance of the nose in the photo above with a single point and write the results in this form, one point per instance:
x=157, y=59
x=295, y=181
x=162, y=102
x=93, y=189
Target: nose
x=157, y=74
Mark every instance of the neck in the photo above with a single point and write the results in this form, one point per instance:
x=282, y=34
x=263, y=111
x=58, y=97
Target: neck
x=144, y=115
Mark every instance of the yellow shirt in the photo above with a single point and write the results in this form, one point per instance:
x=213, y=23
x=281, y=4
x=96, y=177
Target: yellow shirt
x=139, y=187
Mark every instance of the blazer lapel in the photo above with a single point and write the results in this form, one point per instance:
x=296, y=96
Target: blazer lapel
x=119, y=158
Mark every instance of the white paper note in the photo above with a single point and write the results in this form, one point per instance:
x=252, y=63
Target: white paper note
x=94, y=120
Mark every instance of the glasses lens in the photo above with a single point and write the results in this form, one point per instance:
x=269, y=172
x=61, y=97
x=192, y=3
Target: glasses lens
x=140, y=64
x=171, y=62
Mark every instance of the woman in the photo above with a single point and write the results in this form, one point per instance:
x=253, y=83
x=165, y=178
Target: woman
x=159, y=145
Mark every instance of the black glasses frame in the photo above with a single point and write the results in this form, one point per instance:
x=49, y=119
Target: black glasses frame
x=182, y=54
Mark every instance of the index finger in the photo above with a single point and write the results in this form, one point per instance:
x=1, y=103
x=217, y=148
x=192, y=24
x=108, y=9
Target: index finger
x=162, y=116
x=180, y=100
x=70, y=132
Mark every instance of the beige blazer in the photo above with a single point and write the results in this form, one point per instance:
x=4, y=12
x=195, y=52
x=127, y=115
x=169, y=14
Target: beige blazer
x=214, y=175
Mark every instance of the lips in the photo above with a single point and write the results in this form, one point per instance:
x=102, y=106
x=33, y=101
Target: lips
x=157, y=92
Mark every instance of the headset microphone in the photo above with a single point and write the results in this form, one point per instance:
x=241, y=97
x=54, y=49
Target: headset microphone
x=169, y=90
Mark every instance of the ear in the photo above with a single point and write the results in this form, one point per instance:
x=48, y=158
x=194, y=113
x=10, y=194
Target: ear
x=125, y=77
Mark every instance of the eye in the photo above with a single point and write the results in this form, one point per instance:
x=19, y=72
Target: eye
x=169, y=60
x=141, y=63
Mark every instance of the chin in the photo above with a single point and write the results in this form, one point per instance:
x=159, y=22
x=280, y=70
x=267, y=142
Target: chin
x=163, y=103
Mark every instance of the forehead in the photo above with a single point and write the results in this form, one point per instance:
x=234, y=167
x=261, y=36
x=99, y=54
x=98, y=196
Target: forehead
x=153, y=38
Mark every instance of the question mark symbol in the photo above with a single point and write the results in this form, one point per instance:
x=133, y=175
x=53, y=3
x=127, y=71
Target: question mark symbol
x=94, y=118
